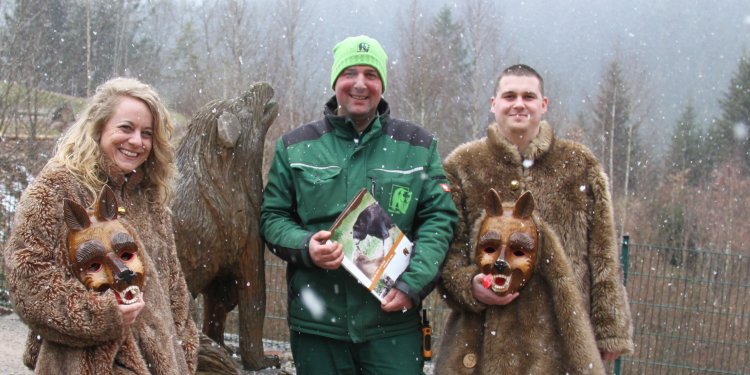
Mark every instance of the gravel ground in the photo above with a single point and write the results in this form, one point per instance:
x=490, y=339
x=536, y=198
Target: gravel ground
x=13, y=338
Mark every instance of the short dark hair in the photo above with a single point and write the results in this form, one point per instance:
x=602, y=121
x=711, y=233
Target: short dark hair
x=520, y=70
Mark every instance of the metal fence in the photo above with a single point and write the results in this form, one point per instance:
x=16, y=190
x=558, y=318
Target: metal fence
x=690, y=310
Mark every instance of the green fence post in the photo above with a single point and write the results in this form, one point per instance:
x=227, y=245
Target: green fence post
x=624, y=261
x=624, y=258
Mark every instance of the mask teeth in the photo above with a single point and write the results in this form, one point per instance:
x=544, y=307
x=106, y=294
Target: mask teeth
x=130, y=295
x=499, y=287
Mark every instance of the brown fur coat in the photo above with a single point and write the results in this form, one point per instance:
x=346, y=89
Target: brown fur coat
x=572, y=196
x=543, y=331
x=77, y=331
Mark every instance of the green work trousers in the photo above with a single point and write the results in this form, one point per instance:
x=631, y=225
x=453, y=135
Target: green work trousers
x=320, y=355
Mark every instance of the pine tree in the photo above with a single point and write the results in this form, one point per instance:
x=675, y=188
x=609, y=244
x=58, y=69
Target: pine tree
x=448, y=56
x=614, y=137
x=485, y=60
x=613, y=134
x=728, y=136
x=685, y=151
x=29, y=59
x=47, y=42
x=187, y=72
x=433, y=83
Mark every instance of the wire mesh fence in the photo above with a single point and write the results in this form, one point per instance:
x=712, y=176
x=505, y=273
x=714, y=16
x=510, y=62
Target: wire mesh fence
x=690, y=310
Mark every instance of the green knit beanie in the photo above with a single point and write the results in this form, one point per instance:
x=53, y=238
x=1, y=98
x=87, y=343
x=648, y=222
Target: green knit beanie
x=358, y=50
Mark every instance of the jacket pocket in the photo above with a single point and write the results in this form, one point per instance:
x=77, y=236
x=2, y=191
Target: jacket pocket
x=397, y=191
x=317, y=187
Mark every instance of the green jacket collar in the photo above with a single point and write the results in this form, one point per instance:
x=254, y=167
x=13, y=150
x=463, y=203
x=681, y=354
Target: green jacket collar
x=344, y=126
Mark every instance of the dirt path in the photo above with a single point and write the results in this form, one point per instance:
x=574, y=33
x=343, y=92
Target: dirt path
x=12, y=341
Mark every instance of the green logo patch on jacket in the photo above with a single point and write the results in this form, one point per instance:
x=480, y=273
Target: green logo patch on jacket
x=400, y=199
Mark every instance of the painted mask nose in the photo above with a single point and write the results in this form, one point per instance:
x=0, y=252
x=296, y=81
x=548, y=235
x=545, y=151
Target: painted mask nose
x=501, y=266
x=126, y=275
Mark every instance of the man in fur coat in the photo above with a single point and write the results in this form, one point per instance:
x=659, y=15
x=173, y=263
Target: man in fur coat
x=521, y=154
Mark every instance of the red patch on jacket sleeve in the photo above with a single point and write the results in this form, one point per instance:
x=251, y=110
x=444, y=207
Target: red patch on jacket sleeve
x=445, y=188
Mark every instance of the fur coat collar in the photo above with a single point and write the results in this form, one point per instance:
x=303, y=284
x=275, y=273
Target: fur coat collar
x=504, y=150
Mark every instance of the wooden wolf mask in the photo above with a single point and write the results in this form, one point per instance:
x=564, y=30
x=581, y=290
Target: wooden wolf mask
x=507, y=245
x=103, y=254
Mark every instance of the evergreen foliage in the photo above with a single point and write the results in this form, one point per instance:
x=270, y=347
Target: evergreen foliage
x=729, y=134
x=434, y=82
x=47, y=43
x=686, y=151
x=613, y=130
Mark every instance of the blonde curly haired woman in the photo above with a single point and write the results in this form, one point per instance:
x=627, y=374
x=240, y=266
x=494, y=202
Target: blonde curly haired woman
x=121, y=140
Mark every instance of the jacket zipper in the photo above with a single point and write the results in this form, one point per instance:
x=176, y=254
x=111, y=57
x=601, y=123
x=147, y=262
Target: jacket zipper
x=121, y=206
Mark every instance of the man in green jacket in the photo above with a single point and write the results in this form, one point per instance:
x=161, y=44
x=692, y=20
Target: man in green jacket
x=336, y=325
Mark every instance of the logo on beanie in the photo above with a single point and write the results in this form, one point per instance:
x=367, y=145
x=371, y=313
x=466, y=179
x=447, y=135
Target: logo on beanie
x=363, y=47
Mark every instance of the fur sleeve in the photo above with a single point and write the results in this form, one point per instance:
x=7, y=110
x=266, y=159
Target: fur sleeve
x=459, y=267
x=179, y=297
x=45, y=294
x=576, y=338
x=610, y=312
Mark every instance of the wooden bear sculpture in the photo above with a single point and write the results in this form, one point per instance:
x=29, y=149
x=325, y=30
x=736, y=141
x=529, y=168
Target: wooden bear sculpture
x=217, y=215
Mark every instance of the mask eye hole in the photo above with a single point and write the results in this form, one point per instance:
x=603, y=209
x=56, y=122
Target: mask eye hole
x=489, y=250
x=127, y=256
x=519, y=253
x=94, y=267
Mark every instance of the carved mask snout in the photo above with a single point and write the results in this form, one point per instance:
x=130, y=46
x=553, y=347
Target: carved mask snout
x=507, y=243
x=103, y=254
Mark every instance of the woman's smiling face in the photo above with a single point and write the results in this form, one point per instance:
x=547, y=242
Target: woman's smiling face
x=127, y=136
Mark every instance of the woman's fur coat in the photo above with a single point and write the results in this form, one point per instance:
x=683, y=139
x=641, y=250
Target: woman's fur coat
x=77, y=331
x=572, y=198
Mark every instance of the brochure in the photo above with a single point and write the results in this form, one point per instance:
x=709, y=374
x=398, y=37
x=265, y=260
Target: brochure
x=376, y=252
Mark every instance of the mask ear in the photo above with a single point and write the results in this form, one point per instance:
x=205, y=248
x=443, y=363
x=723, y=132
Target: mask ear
x=524, y=206
x=105, y=208
x=75, y=216
x=492, y=203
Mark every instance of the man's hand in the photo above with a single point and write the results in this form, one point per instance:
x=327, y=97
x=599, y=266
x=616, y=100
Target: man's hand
x=325, y=254
x=486, y=295
x=396, y=300
x=130, y=312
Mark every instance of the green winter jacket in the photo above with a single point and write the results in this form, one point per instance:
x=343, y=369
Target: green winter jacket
x=317, y=169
